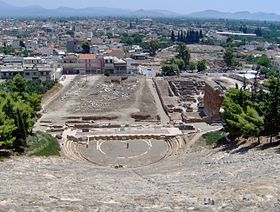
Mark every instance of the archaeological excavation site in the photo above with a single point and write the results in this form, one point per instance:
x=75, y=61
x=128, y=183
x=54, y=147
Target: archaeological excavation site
x=139, y=106
x=129, y=122
x=134, y=144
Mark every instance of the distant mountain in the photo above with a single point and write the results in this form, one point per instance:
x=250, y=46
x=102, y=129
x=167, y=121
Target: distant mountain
x=237, y=15
x=7, y=10
x=91, y=11
x=153, y=13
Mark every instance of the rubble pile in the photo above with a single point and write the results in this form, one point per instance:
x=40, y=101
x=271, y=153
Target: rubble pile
x=108, y=95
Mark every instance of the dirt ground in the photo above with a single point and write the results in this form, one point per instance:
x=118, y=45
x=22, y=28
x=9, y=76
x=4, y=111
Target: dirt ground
x=51, y=93
x=146, y=103
x=103, y=96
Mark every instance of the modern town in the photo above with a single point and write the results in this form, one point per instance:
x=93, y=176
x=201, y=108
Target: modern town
x=139, y=114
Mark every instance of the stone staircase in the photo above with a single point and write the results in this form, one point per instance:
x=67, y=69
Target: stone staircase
x=71, y=150
x=176, y=146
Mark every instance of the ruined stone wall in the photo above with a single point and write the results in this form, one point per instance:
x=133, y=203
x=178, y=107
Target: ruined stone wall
x=213, y=100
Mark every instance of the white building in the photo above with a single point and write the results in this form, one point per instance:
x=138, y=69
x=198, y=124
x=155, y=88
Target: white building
x=89, y=35
x=146, y=71
x=115, y=65
x=32, y=60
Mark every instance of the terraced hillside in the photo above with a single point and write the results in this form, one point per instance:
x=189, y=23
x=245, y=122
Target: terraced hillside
x=202, y=180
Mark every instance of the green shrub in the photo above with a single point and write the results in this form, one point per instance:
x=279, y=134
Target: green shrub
x=42, y=144
x=212, y=138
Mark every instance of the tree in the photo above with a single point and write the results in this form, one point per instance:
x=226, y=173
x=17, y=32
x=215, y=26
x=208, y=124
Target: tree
x=177, y=61
x=201, y=65
x=229, y=41
x=22, y=44
x=240, y=96
x=18, y=111
x=192, y=66
x=243, y=29
x=232, y=115
x=134, y=39
x=7, y=128
x=200, y=34
x=264, y=61
x=153, y=47
x=229, y=57
x=24, y=121
x=173, y=66
x=173, y=39
x=184, y=53
x=258, y=32
x=252, y=114
x=179, y=38
x=24, y=53
x=71, y=33
x=34, y=101
x=180, y=62
x=241, y=122
x=193, y=37
x=170, y=69
x=19, y=84
x=108, y=73
x=272, y=106
x=190, y=37
x=137, y=38
x=39, y=87
x=86, y=48
x=7, y=49
x=110, y=35
x=126, y=39
x=254, y=124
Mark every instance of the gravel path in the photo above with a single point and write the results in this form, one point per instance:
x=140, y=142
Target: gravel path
x=163, y=116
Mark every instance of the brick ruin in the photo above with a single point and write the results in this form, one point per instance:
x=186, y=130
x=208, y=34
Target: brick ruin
x=213, y=100
x=191, y=99
x=186, y=90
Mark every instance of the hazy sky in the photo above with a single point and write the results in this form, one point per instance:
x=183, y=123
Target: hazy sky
x=181, y=6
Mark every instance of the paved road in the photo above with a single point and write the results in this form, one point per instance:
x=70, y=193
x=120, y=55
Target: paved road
x=163, y=116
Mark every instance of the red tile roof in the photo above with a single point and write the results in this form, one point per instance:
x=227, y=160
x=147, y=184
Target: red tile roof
x=87, y=56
